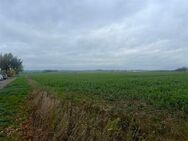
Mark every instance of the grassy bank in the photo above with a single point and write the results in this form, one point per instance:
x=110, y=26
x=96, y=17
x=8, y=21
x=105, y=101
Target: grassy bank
x=12, y=107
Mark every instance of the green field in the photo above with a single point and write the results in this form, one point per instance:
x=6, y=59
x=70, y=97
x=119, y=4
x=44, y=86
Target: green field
x=163, y=90
x=156, y=102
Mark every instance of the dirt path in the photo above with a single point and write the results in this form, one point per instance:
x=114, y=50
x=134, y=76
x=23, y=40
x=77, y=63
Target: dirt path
x=6, y=82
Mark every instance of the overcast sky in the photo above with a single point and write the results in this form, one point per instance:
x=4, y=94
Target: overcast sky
x=96, y=34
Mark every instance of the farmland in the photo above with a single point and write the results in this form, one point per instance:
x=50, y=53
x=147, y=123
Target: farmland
x=158, y=101
x=162, y=90
x=100, y=105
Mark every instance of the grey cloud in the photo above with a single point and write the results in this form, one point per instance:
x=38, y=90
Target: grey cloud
x=95, y=34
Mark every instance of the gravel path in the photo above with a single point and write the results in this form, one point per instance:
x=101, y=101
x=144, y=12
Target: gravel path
x=6, y=82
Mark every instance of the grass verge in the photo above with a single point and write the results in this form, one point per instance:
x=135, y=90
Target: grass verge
x=12, y=108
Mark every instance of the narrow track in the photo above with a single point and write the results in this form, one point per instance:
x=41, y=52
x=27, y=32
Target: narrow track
x=6, y=82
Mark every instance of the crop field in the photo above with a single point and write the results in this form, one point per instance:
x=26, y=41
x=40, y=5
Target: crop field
x=159, y=100
x=166, y=90
x=156, y=102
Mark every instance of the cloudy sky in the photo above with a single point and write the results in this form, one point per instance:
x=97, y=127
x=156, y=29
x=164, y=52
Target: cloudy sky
x=96, y=34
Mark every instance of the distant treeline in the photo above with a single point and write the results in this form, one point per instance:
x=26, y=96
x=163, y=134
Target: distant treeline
x=182, y=69
x=50, y=71
x=103, y=70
